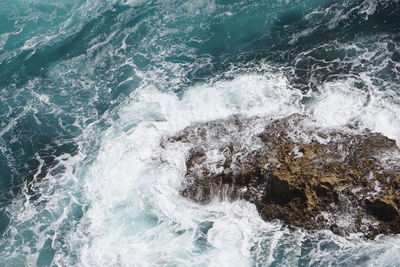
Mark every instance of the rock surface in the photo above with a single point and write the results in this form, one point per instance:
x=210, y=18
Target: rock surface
x=345, y=180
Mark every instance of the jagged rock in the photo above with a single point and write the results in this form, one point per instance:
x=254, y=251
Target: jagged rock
x=345, y=180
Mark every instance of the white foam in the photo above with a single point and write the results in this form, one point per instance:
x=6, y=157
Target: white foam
x=339, y=103
x=137, y=216
x=133, y=178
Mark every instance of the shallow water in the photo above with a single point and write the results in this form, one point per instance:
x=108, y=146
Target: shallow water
x=88, y=89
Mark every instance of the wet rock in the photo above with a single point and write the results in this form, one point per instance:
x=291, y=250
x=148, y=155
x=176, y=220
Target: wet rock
x=346, y=180
x=382, y=210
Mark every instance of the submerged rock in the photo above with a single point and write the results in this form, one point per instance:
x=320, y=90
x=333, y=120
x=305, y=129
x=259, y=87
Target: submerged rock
x=345, y=180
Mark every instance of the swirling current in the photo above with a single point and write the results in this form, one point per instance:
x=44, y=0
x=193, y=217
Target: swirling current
x=88, y=88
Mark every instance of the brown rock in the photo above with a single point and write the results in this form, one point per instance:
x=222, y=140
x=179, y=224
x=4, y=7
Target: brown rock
x=346, y=180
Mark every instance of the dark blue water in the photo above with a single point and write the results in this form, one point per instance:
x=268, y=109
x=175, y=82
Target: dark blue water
x=71, y=70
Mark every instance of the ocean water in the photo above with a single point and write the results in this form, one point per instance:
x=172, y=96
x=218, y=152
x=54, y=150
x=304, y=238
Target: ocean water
x=88, y=88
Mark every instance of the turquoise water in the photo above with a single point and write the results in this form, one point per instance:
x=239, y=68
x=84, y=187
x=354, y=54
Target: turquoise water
x=88, y=88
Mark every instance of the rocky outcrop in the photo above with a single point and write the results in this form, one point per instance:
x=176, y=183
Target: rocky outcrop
x=345, y=180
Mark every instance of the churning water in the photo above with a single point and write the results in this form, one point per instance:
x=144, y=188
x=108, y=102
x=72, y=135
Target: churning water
x=89, y=87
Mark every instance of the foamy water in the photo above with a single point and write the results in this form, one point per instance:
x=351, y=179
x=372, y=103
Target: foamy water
x=137, y=216
x=92, y=87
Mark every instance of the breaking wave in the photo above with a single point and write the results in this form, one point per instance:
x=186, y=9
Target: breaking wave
x=89, y=88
